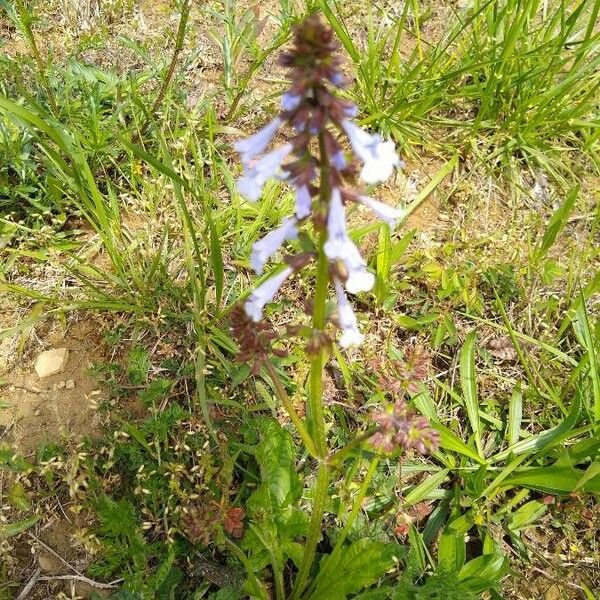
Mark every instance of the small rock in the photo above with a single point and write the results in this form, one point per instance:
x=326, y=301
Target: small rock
x=47, y=562
x=60, y=385
x=51, y=362
x=70, y=385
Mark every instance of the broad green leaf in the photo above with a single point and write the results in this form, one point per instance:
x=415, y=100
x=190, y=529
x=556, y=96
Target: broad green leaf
x=13, y=462
x=468, y=381
x=18, y=497
x=554, y=480
x=527, y=514
x=450, y=441
x=12, y=529
x=484, y=571
x=545, y=439
x=360, y=565
x=452, y=549
x=592, y=471
x=275, y=455
x=425, y=488
x=417, y=551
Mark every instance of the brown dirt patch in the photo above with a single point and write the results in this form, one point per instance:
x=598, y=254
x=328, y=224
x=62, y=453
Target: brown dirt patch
x=38, y=411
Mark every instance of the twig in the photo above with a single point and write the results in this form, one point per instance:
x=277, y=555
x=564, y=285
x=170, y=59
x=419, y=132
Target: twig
x=55, y=554
x=78, y=576
x=18, y=386
x=82, y=578
x=556, y=579
x=32, y=581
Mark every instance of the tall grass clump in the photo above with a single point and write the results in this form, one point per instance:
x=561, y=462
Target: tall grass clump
x=512, y=82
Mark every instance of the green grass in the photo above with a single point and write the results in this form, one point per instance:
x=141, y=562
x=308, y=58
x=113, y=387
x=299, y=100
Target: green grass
x=112, y=176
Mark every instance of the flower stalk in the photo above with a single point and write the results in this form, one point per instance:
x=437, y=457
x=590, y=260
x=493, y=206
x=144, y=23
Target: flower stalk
x=315, y=112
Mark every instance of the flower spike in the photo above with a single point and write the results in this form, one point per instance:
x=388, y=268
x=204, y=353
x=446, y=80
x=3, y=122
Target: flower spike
x=312, y=108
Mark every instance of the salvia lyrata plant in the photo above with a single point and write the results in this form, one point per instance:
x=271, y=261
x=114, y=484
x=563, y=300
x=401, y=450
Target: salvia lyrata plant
x=324, y=159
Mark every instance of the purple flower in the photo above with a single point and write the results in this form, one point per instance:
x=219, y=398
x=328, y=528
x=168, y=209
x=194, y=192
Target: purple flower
x=251, y=183
x=264, y=293
x=351, y=111
x=264, y=249
x=351, y=335
x=337, y=79
x=338, y=160
x=256, y=144
x=379, y=157
x=303, y=202
x=290, y=101
x=340, y=247
x=388, y=214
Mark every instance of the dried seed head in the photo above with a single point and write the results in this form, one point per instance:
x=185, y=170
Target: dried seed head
x=255, y=340
x=401, y=428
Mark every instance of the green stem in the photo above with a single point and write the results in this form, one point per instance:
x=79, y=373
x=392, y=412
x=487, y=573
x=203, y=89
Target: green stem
x=315, y=411
x=338, y=456
x=317, y=365
x=362, y=492
x=314, y=530
x=179, y=43
x=289, y=407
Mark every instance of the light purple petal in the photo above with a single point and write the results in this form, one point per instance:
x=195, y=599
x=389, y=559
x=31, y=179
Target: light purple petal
x=379, y=157
x=351, y=334
x=303, y=202
x=263, y=249
x=388, y=214
x=290, y=101
x=256, y=144
x=253, y=180
x=264, y=293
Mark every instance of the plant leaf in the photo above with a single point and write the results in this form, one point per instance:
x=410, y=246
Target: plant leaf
x=12, y=529
x=468, y=383
x=275, y=455
x=359, y=565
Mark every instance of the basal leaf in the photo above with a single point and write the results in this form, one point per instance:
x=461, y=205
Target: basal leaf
x=544, y=439
x=554, y=480
x=275, y=455
x=450, y=441
x=360, y=565
x=468, y=382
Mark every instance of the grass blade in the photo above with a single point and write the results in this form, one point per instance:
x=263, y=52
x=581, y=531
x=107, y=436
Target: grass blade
x=424, y=489
x=468, y=382
x=515, y=414
x=556, y=224
x=544, y=439
x=588, y=342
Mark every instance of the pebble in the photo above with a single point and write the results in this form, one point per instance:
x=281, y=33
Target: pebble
x=51, y=362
